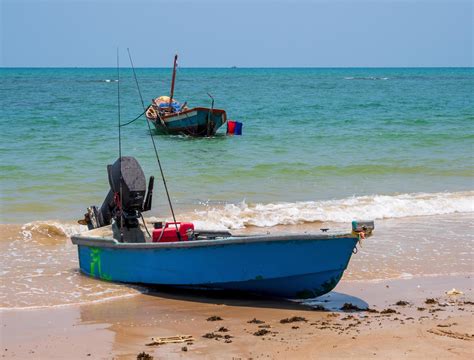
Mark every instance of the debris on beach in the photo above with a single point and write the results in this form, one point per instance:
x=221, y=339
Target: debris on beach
x=184, y=348
x=223, y=329
x=214, y=336
x=261, y=332
x=370, y=310
x=430, y=301
x=318, y=308
x=452, y=334
x=214, y=318
x=255, y=321
x=144, y=356
x=402, y=303
x=453, y=291
x=170, y=340
x=388, y=311
x=293, y=319
x=446, y=325
x=350, y=307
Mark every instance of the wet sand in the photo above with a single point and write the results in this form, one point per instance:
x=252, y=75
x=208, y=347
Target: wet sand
x=120, y=329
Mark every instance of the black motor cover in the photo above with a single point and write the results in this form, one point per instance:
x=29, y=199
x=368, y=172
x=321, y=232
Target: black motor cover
x=133, y=182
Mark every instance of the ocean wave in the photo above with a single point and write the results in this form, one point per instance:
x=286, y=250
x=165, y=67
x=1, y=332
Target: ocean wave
x=365, y=78
x=239, y=216
x=51, y=229
x=242, y=215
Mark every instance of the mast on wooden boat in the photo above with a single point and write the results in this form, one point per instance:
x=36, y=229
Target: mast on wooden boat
x=173, y=79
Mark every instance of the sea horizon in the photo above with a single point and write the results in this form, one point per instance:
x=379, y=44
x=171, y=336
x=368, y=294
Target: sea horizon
x=240, y=67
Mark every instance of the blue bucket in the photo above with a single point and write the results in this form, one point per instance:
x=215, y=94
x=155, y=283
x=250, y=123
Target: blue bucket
x=238, y=128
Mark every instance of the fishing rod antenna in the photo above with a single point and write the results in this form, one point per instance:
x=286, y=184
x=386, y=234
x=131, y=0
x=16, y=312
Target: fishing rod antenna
x=154, y=146
x=120, y=146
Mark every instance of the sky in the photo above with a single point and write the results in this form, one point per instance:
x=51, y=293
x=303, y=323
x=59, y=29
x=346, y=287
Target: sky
x=259, y=33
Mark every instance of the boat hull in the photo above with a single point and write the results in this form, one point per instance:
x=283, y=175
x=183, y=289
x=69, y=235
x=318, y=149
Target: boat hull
x=192, y=122
x=294, y=267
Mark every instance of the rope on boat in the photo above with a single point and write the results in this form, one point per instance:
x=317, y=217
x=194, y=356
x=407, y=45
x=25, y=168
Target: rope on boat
x=144, y=224
x=361, y=236
x=138, y=117
x=154, y=147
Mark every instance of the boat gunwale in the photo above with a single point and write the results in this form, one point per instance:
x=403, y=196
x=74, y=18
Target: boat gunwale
x=199, y=108
x=185, y=112
x=108, y=242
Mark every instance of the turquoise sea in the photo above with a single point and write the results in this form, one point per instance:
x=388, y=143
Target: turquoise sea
x=319, y=146
x=317, y=143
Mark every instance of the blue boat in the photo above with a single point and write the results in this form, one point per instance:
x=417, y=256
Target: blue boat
x=289, y=266
x=172, y=118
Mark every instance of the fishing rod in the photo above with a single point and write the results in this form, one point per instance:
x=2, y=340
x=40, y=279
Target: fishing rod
x=120, y=147
x=154, y=146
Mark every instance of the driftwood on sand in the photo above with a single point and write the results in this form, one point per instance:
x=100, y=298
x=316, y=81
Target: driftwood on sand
x=170, y=339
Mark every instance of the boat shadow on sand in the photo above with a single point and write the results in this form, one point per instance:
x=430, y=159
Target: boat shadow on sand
x=333, y=301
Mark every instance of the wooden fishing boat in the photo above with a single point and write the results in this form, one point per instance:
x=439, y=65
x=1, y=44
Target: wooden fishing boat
x=118, y=248
x=170, y=117
x=198, y=121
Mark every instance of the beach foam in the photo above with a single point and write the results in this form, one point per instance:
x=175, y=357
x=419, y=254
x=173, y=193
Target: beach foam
x=239, y=216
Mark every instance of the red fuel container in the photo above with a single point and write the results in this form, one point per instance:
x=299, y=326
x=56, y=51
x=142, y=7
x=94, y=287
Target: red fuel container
x=168, y=232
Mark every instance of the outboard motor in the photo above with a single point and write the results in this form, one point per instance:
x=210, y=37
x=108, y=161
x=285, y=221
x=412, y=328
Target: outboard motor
x=125, y=201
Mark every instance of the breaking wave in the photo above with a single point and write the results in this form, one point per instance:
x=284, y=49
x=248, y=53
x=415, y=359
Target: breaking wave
x=239, y=216
x=51, y=229
x=242, y=215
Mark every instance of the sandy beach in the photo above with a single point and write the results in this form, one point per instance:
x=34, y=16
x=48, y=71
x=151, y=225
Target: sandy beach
x=431, y=325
